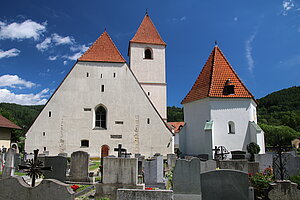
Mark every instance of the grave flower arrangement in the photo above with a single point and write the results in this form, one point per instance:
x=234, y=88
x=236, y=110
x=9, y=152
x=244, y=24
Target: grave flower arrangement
x=261, y=181
x=75, y=187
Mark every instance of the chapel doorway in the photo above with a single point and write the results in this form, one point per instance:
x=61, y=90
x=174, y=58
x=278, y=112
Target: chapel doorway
x=104, y=151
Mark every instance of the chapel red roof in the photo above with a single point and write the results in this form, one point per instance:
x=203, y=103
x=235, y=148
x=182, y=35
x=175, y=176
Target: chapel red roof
x=147, y=33
x=176, y=126
x=103, y=50
x=5, y=123
x=213, y=77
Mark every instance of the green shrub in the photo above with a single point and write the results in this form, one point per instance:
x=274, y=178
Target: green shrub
x=253, y=148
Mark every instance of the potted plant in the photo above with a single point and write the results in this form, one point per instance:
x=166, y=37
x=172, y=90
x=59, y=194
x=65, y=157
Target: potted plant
x=253, y=148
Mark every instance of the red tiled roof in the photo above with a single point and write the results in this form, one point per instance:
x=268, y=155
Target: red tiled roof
x=176, y=126
x=103, y=50
x=147, y=33
x=5, y=123
x=212, y=79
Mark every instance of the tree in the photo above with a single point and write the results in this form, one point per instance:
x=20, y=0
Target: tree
x=279, y=135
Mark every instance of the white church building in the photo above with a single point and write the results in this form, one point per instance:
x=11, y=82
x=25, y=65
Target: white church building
x=103, y=102
x=219, y=111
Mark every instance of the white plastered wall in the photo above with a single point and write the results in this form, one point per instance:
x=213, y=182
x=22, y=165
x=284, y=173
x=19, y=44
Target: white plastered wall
x=5, y=134
x=125, y=101
x=151, y=73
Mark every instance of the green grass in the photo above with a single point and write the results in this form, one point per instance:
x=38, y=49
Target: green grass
x=17, y=173
x=82, y=187
x=96, y=166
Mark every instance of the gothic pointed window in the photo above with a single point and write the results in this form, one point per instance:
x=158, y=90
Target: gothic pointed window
x=100, y=119
x=148, y=54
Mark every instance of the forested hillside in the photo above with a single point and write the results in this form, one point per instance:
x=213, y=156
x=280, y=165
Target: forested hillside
x=281, y=108
x=21, y=115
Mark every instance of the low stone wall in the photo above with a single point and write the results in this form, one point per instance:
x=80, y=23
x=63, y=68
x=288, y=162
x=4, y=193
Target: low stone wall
x=126, y=194
x=13, y=188
x=284, y=190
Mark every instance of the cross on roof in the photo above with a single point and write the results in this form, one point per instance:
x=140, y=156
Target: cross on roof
x=34, y=167
x=120, y=150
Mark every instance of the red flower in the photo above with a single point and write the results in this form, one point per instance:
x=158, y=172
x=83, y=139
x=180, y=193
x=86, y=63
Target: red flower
x=148, y=188
x=74, y=187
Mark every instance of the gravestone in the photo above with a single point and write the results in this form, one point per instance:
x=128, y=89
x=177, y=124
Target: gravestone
x=63, y=154
x=186, y=179
x=171, y=159
x=120, y=170
x=225, y=184
x=16, y=188
x=264, y=160
x=238, y=155
x=153, y=172
x=117, y=173
x=253, y=167
x=17, y=161
x=79, y=167
x=1, y=161
x=59, y=167
x=9, y=168
x=284, y=190
x=208, y=165
x=135, y=194
x=241, y=165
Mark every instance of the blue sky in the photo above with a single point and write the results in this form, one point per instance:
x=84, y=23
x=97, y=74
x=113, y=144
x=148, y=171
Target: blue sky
x=40, y=41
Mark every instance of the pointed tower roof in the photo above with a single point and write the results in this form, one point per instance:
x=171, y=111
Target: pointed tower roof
x=147, y=33
x=103, y=50
x=215, y=75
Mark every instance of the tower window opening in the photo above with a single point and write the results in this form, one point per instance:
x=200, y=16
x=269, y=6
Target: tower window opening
x=148, y=54
x=231, y=128
x=228, y=88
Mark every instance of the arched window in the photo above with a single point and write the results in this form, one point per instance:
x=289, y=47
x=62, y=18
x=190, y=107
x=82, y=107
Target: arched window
x=148, y=54
x=100, y=119
x=231, y=128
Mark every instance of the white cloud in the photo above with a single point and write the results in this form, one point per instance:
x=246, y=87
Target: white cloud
x=183, y=18
x=65, y=62
x=13, y=81
x=235, y=18
x=25, y=30
x=59, y=40
x=287, y=5
x=52, y=58
x=9, y=53
x=44, y=45
x=248, y=49
x=24, y=99
x=81, y=48
x=74, y=56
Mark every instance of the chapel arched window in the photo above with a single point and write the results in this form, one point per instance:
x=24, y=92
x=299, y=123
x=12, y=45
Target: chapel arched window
x=231, y=127
x=148, y=54
x=100, y=119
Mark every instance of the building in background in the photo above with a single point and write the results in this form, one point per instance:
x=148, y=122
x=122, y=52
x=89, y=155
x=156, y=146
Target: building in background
x=219, y=111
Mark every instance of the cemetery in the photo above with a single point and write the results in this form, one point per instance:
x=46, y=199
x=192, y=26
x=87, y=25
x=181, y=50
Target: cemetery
x=227, y=176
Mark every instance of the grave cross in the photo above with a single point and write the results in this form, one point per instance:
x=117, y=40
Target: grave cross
x=223, y=152
x=120, y=150
x=34, y=167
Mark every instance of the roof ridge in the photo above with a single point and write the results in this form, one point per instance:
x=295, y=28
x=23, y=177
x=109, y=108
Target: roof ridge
x=103, y=50
x=234, y=71
x=147, y=33
x=213, y=69
x=114, y=44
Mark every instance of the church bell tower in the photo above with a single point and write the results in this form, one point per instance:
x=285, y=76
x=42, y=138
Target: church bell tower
x=147, y=61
